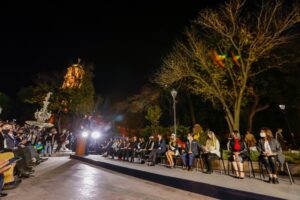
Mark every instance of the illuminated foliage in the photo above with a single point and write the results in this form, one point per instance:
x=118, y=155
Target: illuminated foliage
x=227, y=47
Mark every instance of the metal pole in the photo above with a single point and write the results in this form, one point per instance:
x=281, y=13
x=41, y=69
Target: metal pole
x=174, y=109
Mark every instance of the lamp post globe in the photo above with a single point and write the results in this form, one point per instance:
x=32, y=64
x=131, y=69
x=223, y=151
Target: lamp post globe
x=281, y=106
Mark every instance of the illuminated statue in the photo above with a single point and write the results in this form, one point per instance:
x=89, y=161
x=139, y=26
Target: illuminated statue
x=73, y=77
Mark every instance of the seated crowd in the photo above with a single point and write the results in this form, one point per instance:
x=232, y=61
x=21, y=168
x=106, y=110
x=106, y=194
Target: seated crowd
x=151, y=151
x=28, y=145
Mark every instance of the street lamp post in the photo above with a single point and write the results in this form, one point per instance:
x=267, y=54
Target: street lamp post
x=174, y=94
x=282, y=107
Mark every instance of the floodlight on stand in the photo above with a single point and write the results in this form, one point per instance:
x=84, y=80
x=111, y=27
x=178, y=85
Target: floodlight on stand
x=85, y=134
x=96, y=134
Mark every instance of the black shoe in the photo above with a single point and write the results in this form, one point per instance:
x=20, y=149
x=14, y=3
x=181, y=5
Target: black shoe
x=31, y=171
x=43, y=159
x=24, y=174
x=2, y=194
x=270, y=180
x=142, y=162
x=275, y=180
x=12, y=185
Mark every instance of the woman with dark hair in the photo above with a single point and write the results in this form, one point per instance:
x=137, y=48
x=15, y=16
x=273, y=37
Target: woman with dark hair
x=270, y=151
x=239, y=152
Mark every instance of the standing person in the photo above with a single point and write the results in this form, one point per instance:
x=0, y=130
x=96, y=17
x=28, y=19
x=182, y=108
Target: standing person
x=159, y=148
x=173, y=148
x=199, y=134
x=280, y=138
x=71, y=139
x=48, y=143
x=192, y=149
x=238, y=150
x=53, y=138
x=211, y=151
x=270, y=151
x=61, y=139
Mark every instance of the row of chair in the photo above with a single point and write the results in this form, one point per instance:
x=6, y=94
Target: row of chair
x=199, y=165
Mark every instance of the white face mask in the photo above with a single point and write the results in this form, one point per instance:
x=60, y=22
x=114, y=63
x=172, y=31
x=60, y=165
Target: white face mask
x=262, y=134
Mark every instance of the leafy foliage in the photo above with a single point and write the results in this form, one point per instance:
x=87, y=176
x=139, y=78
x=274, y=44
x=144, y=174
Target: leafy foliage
x=77, y=101
x=227, y=47
x=153, y=115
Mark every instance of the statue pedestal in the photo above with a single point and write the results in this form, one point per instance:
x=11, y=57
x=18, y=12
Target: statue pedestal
x=80, y=146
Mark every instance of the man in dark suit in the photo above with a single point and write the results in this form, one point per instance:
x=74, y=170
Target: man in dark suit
x=192, y=149
x=159, y=148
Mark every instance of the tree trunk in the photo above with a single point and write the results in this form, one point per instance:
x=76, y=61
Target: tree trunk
x=58, y=124
x=236, y=123
x=255, y=108
x=229, y=124
x=191, y=108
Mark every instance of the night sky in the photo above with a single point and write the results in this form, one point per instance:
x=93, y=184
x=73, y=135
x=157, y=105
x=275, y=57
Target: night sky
x=124, y=42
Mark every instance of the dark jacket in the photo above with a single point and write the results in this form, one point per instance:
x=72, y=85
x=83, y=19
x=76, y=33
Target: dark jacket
x=243, y=151
x=10, y=141
x=161, y=145
x=1, y=141
x=195, y=147
x=149, y=145
x=133, y=145
x=275, y=148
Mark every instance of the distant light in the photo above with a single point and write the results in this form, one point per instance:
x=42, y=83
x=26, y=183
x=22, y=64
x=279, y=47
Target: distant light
x=106, y=128
x=85, y=134
x=282, y=106
x=96, y=134
x=174, y=93
x=119, y=118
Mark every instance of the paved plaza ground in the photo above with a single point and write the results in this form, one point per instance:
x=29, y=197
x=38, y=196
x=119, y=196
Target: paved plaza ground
x=214, y=185
x=61, y=178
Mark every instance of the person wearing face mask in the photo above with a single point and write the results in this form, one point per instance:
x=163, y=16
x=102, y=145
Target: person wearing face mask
x=270, y=151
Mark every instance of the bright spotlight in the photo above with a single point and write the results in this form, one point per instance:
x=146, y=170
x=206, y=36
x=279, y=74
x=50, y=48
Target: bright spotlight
x=85, y=134
x=96, y=135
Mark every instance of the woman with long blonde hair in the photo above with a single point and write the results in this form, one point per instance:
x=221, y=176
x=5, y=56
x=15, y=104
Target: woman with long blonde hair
x=211, y=151
x=173, y=147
